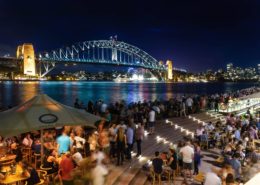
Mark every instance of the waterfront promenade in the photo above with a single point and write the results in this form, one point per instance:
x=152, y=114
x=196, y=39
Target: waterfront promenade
x=132, y=172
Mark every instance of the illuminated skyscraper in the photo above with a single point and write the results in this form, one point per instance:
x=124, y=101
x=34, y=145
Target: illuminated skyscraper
x=229, y=67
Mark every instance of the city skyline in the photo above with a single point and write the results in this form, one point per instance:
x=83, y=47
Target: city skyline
x=195, y=35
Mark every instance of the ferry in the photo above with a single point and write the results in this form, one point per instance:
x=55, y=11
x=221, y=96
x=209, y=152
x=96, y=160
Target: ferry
x=134, y=78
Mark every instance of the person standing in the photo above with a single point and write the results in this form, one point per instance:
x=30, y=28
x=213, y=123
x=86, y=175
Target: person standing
x=16, y=151
x=139, y=138
x=236, y=165
x=189, y=103
x=30, y=172
x=130, y=140
x=63, y=142
x=76, y=103
x=197, y=159
x=112, y=139
x=99, y=174
x=187, y=153
x=121, y=143
x=173, y=160
x=151, y=119
x=183, y=109
x=90, y=108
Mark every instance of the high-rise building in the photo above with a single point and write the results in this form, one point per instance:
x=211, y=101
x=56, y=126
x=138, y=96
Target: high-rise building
x=229, y=67
x=258, y=68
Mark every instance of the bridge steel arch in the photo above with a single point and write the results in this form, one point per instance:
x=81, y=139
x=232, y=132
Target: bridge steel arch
x=100, y=52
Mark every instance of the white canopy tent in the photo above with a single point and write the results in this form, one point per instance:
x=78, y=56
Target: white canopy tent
x=42, y=112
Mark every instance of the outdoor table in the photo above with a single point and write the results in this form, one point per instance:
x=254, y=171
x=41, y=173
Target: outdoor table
x=256, y=142
x=7, y=158
x=13, y=178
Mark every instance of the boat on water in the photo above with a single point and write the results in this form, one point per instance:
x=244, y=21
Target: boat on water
x=120, y=79
x=135, y=79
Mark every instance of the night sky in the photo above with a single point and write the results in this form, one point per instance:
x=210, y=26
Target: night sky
x=195, y=34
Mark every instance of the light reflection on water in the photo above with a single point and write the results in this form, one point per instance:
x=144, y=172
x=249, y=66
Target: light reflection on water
x=13, y=93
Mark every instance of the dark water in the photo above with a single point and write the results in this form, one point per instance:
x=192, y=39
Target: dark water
x=13, y=93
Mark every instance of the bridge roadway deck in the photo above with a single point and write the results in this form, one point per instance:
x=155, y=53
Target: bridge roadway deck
x=132, y=173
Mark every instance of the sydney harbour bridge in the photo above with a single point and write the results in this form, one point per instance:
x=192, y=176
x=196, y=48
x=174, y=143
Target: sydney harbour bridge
x=108, y=52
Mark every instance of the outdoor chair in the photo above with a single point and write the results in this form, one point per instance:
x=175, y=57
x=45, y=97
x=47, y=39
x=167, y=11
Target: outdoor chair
x=37, y=159
x=43, y=176
x=170, y=174
x=50, y=176
x=27, y=153
x=156, y=176
x=7, y=163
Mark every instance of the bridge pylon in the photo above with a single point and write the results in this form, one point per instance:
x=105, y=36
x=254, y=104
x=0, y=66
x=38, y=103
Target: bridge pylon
x=169, y=69
x=26, y=53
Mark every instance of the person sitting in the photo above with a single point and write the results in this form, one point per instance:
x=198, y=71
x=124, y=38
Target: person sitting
x=204, y=139
x=76, y=156
x=209, y=127
x=47, y=142
x=27, y=140
x=229, y=180
x=236, y=165
x=16, y=151
x=30, y=172
x=36, y=146
x=66, y=167
x=50, y=162
x=157, y=163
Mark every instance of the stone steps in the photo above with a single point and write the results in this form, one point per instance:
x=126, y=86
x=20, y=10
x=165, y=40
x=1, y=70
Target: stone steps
x=131, y=172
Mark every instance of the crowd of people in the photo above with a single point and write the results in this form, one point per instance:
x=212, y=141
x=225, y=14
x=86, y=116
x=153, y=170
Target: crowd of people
x=79, y=154
x=177, y=106
x=237, y=142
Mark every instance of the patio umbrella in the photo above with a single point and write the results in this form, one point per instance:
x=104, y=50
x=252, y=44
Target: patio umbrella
x=42, y=112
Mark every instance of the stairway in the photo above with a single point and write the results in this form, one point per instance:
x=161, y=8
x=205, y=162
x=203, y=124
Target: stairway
x=131, y=172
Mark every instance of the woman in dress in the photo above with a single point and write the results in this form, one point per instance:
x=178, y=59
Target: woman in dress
x=121, y=144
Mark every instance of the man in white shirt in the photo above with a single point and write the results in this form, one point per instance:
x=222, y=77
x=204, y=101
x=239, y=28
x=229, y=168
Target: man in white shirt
x=103, y=108
x=187, y=154
x=80, y=142
x=189, y=103
x=77, y=157
x=99, y=174
x=209, y=127
x=151, y=119
x=212, y=179
x=199, y=132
